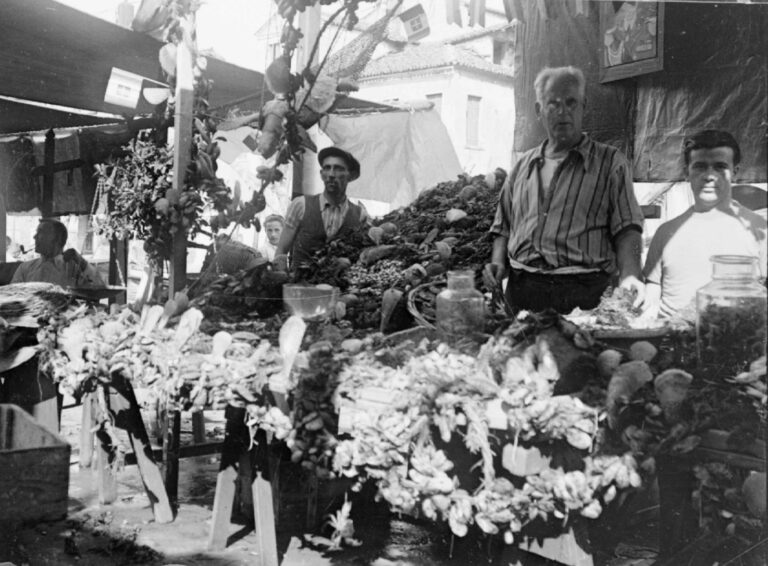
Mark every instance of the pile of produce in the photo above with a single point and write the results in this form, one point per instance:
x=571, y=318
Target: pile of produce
x=445, y=228
x=438, y=400
x=163, y=352
x=656, y=410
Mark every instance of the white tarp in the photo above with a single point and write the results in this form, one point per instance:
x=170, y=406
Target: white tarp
x=401, y=152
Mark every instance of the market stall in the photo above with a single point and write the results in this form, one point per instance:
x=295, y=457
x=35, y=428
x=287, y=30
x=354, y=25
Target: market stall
x=396, y=371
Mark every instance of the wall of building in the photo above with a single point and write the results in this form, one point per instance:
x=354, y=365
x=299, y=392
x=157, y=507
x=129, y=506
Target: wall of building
x=497, y=111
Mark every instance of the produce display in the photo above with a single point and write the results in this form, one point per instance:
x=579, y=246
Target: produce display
x=445, y=228
x=177, y=364
x=436, y=404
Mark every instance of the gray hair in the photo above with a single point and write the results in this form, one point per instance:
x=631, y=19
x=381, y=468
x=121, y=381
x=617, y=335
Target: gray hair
x=550, y=75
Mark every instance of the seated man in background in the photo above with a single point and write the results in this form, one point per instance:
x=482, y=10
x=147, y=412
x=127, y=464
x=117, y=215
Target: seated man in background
x=273, y=227
x=678, y=261
x=65, y=268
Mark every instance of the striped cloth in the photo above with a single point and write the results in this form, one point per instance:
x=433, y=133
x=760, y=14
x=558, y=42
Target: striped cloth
x=570, y=227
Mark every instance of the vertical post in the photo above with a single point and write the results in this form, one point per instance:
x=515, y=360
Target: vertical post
x=181, y=151
x=118, y=268
x=3, y=223
x=86, y=434
x=49, y=160
x=171, y=444
x=309, y=22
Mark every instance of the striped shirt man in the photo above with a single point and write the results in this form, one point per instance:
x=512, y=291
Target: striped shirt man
x=566, y=224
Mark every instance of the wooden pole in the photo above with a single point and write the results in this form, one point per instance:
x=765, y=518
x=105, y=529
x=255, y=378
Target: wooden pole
x=181, y=151
x=49, y=161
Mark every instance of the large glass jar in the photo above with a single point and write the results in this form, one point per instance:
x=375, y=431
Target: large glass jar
x=731, y=315
x=460, y=309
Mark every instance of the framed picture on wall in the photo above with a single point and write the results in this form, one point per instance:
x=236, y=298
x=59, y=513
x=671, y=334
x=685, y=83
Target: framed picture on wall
x=632, y=36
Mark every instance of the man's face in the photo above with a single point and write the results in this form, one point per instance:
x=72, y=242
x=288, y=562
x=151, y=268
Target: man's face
x=273, y=230
x=710, y=173
x=561, y=112
x=45, y=241
x=335, y=175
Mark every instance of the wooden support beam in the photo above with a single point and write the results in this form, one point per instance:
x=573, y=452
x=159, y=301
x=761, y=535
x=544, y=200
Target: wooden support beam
x=263, y=504
x=86, y=435
x=49, y=161
x=58, y=167
x=126, y=414
x=181, y=152
x=118, y=268
x=171, y=443
x=236, y=444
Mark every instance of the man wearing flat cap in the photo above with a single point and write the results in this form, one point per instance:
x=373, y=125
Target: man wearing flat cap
x=312, y=221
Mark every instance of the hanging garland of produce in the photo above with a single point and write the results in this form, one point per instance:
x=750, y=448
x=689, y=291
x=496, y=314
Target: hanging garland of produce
x=138, y=183
x=401, y=405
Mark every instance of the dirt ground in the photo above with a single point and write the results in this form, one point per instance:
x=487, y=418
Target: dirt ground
x=124, y=532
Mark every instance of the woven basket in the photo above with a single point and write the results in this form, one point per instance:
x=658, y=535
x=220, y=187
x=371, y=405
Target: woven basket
x=424, y=294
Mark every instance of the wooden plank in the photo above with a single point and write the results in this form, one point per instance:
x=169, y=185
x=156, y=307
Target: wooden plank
x=49, y=158
x=264, y=517
x=235, y=445
x=3, y=223
x=571, y=547
x=191, y=451
x=106, y=478
x=198, y=427
x=244, y=494
x=223, y=502
x=263, y=503
x=181, y=152
x=171, y=444
x=118, y=269
x=86, y=435
x=126, y=414
x=58, y=167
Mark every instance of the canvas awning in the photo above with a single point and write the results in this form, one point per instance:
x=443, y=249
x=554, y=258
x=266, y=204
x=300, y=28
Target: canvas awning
x=51, y=53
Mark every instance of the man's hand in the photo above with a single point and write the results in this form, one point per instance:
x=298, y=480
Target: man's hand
x=71, y=256
x=651, y=304
x=634, y=284
x=493, y=274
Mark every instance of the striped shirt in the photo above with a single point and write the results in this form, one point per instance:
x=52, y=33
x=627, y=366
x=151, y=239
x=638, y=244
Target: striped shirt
x=333, y=216
x=569, y=227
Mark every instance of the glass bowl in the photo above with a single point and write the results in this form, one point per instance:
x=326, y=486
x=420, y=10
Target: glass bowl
x=310, y=302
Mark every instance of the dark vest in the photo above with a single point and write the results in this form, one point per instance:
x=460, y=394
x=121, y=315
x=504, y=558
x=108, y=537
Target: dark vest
x=311, y=235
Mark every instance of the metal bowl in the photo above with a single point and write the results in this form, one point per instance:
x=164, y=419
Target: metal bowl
x=310, y=302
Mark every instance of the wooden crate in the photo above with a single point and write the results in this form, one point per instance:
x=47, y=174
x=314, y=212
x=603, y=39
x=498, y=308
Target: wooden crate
x=34, y=469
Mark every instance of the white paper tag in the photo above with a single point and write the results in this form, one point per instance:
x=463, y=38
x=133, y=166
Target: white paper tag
x=123, y=88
